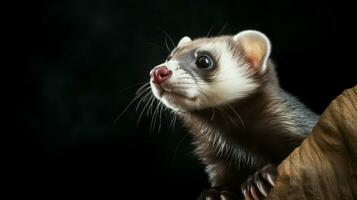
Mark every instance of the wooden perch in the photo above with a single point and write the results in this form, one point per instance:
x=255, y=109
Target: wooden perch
x=325, y=165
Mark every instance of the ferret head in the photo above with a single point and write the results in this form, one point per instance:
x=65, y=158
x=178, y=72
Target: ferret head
x=209, y=72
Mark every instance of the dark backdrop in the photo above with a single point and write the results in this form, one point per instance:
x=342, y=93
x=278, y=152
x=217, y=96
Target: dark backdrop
x=86, y=58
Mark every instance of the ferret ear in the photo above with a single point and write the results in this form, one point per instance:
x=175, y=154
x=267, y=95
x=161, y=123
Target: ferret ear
x=255, y=47
x=184, y=40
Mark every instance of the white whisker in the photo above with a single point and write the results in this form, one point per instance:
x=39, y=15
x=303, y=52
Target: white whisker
x=143, y=110
x=128, y=106
x=142, y=99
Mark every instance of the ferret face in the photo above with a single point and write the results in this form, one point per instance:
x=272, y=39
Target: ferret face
x=208, y=72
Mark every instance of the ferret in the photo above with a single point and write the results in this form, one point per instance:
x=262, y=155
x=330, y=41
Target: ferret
x=226, y=92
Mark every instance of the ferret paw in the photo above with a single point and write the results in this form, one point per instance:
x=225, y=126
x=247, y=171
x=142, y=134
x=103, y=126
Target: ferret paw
x=215, y=194
x=258, y=186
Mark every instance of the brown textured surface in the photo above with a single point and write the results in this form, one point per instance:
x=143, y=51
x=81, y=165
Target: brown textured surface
x=325, y=165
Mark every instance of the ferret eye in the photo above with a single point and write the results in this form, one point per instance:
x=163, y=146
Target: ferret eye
x=204, y=62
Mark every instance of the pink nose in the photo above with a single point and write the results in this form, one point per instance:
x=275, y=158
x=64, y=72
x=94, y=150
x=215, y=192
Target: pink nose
x=160, y=74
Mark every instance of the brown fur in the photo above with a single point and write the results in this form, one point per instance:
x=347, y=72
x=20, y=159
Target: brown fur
x=266, y=131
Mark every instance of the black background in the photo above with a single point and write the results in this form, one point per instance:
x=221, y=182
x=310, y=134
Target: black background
x=84, y=61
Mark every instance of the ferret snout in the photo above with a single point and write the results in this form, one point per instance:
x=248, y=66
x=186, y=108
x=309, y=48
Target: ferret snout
x=160, y=74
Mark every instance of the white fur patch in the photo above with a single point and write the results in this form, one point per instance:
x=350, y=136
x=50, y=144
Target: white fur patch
x=179, y=83
x=232, y=80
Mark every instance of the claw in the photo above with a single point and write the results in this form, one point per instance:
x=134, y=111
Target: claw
x=259, y=185
x=254, y=193
x=262, y=189
x=246, y=195
x=270, y=179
